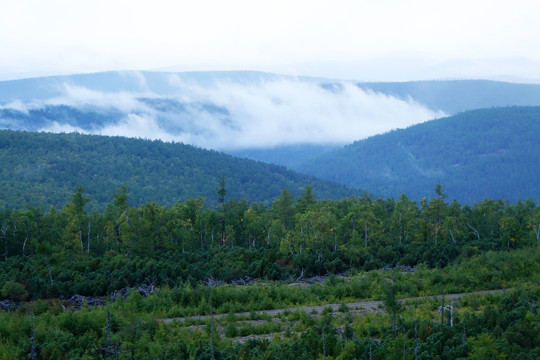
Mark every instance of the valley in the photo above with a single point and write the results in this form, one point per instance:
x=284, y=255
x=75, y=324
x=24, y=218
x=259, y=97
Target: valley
x=193, y=215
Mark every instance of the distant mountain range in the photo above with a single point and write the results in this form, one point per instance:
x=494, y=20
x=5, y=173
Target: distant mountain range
x=454, y=96
x=488, y=153
x=301, y=123
x=450, y=96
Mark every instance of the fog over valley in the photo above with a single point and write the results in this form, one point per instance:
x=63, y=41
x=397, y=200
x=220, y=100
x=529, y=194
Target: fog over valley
x=223, y=112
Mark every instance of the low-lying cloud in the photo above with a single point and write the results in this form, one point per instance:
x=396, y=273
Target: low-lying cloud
x=227, y=115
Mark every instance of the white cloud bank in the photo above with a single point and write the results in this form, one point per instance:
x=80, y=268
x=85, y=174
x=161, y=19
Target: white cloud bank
x=230, y=115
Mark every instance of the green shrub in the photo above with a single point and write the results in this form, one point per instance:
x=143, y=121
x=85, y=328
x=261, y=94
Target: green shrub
x=14, y=291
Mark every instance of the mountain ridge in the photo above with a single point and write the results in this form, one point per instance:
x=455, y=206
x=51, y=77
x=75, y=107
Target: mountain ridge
x=484, y=153
x=43, y=169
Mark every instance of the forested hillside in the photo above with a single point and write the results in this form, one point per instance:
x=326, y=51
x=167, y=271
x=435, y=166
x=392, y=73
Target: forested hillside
x=42, y=169
x=479, y=154
x=76, y=284
x=262, y=116
x=112, y=247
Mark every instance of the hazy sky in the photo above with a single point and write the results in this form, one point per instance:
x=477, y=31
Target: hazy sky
x=361, y=40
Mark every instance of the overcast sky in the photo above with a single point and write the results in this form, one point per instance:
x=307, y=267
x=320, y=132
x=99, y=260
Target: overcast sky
x=361, y=40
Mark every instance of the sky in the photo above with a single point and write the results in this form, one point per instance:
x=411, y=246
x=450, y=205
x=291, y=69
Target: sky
x=383, y=40
x=360, y=40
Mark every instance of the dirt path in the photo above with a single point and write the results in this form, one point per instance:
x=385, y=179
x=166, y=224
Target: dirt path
x=360, y=306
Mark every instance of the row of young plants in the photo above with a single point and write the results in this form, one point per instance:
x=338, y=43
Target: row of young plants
x=497, y=324
x=491, y=270
x=501, y=325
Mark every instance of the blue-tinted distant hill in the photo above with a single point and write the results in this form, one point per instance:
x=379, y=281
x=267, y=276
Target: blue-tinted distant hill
x=451, y=96
x=455, y=96
x=159, y=105
x=161, y=83
x=85, y=101
x=488, y=153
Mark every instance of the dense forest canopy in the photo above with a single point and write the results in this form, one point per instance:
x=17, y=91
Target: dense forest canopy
x=277, y=242
x=479, y=154
x=41, y=169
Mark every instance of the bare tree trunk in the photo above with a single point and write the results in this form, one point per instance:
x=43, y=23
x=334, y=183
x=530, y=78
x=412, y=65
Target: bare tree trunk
x=49, y=267
x=442, y=310
x=201, y=239
x=24, y=243
x=453, y=237
x=365, y=234
x=451, y=314
x=475, y=231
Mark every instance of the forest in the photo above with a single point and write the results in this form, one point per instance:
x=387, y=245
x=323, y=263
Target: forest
x=479, y=154
x=41, y=169
x=193, y=280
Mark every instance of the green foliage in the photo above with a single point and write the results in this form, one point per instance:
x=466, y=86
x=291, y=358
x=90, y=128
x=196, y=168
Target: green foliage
x=42, y=169
x=14, y=291
x=52, y=254
x=480, y=154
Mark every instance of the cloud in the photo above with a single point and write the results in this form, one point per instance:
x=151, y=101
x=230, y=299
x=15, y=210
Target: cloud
x=234, y=114
x=56, y=127
x=270, y=113
x=80, y=96
x=137, y=126
x=132, y=125
x=16, y=105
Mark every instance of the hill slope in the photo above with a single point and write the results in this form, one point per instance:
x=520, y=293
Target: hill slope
x=43, y=169
x=489, y=153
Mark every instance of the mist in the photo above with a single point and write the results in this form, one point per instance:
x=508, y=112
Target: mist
x=229, y=115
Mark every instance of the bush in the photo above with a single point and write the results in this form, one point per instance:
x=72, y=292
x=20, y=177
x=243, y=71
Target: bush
x=14, y=291
x=231, y=330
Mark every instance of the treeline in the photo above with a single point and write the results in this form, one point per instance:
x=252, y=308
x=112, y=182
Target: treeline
x=60, y=252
